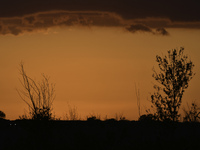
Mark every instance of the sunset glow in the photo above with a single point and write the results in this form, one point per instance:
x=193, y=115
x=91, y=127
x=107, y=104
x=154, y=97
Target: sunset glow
x=95, y=57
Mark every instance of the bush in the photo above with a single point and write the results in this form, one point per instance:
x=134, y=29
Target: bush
x=192, y=114
x=2, y=115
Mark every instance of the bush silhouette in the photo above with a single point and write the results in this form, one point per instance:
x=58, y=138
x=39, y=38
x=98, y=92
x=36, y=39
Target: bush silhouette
x=148, y=117
x=2, y=115
x=93, y=118
x=192, y=114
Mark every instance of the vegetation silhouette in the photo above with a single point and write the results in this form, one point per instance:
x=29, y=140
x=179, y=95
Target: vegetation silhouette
x=175, y=73
x=152, y=131
x=93, y=118
x=147, y=118
x=192, y=113
x=72, y=113
x=137, y=92
x=2, y=115
x=38, y=96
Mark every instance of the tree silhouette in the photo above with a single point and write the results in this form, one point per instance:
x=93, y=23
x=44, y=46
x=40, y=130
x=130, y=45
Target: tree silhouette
x=38, y=96
x=175, y=73
x=2, y=115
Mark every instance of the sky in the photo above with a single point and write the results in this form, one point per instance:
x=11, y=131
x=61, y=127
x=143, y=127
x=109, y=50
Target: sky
x=95, y=51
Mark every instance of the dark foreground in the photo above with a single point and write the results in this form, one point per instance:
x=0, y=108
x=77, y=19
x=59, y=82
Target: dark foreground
x=98, y=135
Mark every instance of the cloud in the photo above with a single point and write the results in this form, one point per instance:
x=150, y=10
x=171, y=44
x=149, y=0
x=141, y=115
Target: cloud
x=138, y=27
x=45, y=20
x=143, y=28
x=162, y=31
x=153, y=16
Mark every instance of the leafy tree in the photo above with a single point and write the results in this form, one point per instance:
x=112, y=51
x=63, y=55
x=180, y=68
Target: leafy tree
x=38, y=96
x=2, y=115
x=175, y=73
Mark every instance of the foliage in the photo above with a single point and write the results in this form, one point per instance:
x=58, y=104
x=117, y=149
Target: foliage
x=38, y=96
x=192, y=114
x=2, y=115
x=175, y=73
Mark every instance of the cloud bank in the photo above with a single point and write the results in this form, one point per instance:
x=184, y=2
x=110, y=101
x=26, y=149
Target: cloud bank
x=155, y=16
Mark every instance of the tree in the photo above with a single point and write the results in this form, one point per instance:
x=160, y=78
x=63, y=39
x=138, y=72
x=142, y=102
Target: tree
x=2, y=115
x=175, y=73
x=38, y=96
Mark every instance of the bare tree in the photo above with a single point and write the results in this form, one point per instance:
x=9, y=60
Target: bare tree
x=175, y=73
x=39, y=96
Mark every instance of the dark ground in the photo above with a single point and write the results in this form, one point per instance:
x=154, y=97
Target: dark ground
x=98, y=135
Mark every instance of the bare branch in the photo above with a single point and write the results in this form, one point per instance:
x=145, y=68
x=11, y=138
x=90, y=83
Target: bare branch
x=39, y=95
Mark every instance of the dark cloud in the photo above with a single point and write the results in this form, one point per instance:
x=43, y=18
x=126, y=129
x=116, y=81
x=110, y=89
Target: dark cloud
x=138, y=27
x=153, y=16
x=45, y=20
x=162, y=31
x=175, y=10
x=143, y=28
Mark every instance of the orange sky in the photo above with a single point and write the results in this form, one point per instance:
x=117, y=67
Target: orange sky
x=94, y=68
x=95, y=51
